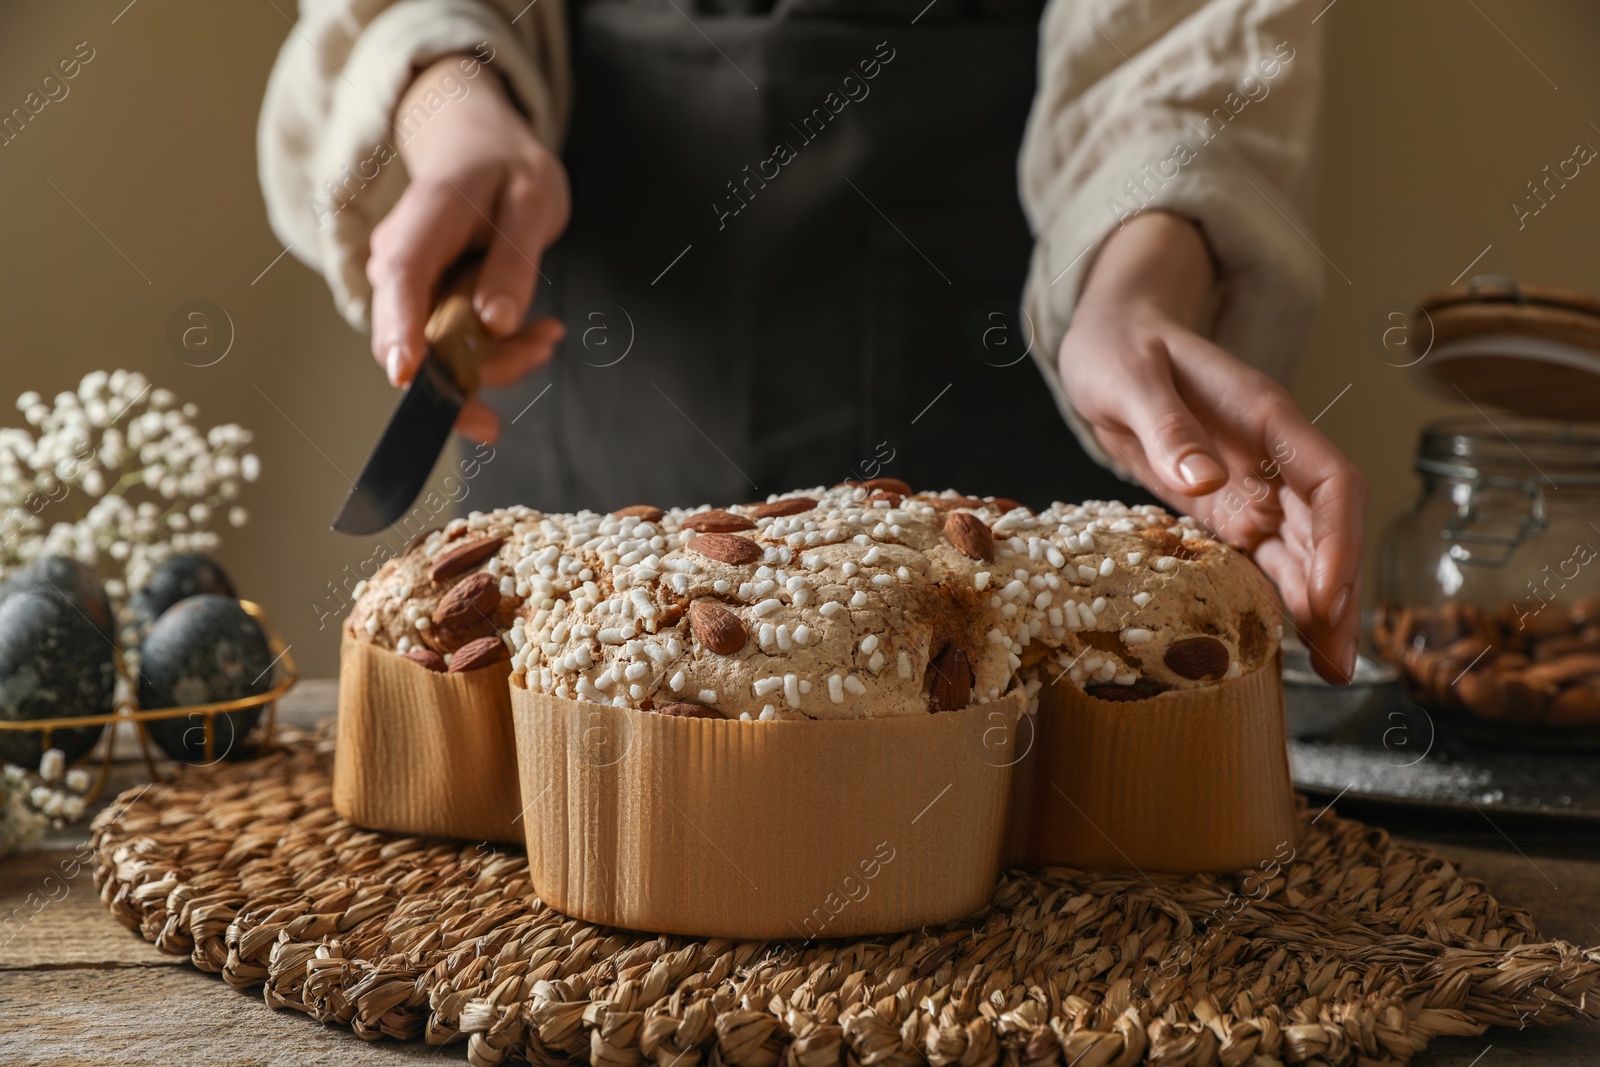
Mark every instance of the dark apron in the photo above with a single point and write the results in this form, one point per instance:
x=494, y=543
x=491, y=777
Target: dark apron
x=791, y=285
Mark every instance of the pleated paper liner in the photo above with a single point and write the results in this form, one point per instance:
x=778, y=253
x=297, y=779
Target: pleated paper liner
x=1355, y=949
x=423, y=752
x=1190, y=780
x=788, y=829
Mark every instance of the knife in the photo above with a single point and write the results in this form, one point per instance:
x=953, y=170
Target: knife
x=404, y=457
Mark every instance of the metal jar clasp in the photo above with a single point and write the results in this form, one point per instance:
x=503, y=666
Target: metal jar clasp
x=1470, y=542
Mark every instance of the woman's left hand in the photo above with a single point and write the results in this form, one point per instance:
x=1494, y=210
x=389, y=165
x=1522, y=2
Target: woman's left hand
x=1212, y=436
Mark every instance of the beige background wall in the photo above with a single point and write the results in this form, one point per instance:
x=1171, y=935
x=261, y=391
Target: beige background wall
x=1434, y=122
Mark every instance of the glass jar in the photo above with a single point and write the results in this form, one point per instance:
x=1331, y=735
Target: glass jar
x=1490, y=585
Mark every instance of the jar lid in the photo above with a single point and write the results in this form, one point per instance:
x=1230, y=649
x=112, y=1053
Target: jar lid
x=1522, y=347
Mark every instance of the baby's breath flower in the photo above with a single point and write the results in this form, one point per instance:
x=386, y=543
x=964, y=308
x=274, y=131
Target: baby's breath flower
x=53, y=765
x=116, y=474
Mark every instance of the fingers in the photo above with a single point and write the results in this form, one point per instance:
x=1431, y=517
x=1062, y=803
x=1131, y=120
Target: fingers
x=478, y=422
x=529, y=348
x=1335, y=494
x=1325, y=643
x=523, y=352
x=1178, y=451
x=1305, y=501
x=1324, y=508
x=511, y=267
x=429, y=227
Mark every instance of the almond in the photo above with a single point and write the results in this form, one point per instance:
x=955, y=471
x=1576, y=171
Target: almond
x=1519, y=700
x=793, y=505
x=1576, y=706
x=717, y=521
x=465, y=613
x=1004, y=504
x=970, y=535
x=642, y=512
x=427, y=657
x=947, y=503
x=473, y=598
x=726, y=548
x=1199, y=659
x=1480, y=691
x=888, y=485
x=464, y=631
x=479, y=653
x=1558, y=672
x=689, y=711
x=717, y=628
x=949, y=681
x=463, y=557
x=890, y=495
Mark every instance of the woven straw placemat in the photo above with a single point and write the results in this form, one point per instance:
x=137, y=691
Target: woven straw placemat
x=1356, y=950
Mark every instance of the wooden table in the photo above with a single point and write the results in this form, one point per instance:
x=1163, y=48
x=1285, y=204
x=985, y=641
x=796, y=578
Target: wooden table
x=77, y=988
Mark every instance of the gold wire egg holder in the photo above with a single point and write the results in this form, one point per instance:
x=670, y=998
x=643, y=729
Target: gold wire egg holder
x=126, y=710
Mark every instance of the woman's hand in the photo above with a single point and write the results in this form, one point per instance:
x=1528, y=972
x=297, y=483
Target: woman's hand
x=479, y=178
x=1212, y=436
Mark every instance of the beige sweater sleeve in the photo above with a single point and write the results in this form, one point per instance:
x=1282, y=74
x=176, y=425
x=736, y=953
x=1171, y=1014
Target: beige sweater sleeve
x=327, y=153
x=1205, y=108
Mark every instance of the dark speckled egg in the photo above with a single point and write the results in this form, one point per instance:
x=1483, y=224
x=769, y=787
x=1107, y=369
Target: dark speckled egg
x=70, y=578
x=177, y=578
x=54, y=663
x=203, y=649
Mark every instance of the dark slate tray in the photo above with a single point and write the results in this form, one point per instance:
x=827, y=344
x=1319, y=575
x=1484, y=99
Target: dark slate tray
x=1397, y=759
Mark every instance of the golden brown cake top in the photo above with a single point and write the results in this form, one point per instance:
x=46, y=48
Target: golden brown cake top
x=850, y=602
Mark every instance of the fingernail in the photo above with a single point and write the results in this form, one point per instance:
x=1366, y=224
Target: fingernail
x=395, y=362
x=1349, y=661
x=1198, y=468
x=499, y=314
x=1341, y=601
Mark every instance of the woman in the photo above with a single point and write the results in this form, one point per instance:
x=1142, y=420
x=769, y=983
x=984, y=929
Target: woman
x=785, y=238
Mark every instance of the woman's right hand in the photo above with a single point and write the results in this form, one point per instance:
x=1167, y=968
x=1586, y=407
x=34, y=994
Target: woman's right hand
x=478, y=178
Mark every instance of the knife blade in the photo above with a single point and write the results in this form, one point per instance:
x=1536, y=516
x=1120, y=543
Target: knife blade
x=417, y=431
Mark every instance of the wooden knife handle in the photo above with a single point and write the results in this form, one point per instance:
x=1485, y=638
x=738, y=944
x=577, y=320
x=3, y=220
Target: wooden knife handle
x=453, y=331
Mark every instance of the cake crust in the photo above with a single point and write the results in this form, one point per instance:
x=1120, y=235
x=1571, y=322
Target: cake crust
x=858, y=601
